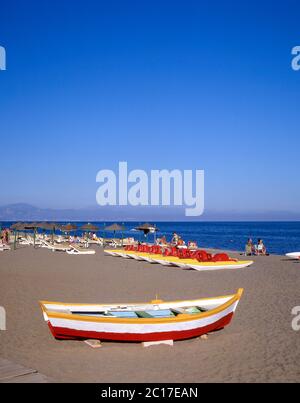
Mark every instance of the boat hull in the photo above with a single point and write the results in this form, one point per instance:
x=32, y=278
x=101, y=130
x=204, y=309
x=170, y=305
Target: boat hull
x=64, y=333
x=136, y=257
x=220, y=266
x=148, y=259
x=122, y=254
x=110, y=252
x=163, y=262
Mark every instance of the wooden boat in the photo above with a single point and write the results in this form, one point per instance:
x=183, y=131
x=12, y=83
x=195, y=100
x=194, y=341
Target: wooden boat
x=293, y=255
x=153, y=321
x=182, y=263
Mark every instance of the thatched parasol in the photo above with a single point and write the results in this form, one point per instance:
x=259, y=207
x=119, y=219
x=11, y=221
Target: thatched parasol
x=18, y=226
x=31, y=225
x=116, y=227
x=22, y=226
x=68, y=227
x=89, y=227
x=49, y=226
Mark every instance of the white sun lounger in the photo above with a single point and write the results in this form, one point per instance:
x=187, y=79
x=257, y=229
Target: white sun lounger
x=4, y=247
x=28, y=240
x=77, y=250
x=25, y=241
x=55, y=247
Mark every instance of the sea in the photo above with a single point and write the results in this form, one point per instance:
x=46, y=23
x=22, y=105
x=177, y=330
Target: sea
x=278, y=237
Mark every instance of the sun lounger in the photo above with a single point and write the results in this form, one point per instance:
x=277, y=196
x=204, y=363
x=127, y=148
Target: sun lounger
x=59, y=239
x=4, y=247
x=55, y=247
x=79, y=250
x=29, y=240
x=110, y=242
x=25, y=241
x=113, y=242
x=97, y=241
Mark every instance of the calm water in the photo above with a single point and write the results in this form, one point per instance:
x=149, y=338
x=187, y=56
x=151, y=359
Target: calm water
x=279, y=237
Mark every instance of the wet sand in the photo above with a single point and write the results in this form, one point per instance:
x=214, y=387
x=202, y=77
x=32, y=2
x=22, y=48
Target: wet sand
x=258, y=346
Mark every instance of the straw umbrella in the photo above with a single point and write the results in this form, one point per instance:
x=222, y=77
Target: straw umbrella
x=16, y=226
x=68, y=227
x=89, y=227
x=50, y=226
x=116, y=227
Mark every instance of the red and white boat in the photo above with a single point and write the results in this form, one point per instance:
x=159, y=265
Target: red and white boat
x=154, y=321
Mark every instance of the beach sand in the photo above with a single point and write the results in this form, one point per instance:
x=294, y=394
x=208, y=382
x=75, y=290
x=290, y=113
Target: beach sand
x=258, y=346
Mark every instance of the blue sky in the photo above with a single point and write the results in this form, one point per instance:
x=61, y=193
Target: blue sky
x=159, y=84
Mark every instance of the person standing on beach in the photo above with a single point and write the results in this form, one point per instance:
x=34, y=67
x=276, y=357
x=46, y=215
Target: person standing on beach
x=5, y=236
x=249, y=249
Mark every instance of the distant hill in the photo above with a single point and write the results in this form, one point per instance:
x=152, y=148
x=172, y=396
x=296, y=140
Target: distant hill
x=27, y=212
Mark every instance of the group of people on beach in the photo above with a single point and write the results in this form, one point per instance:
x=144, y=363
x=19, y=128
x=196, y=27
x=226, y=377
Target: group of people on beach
x=252, y=249
x=86, y=236
x=175, y=241
x=74, y=239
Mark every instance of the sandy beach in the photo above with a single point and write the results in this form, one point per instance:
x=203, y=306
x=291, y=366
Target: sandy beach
x=258, y=346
